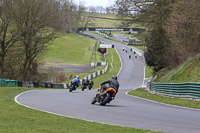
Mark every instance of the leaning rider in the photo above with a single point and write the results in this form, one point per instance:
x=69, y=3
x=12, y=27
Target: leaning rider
x=76, y=80
x=85, y=80
x=91, y=82
x=113, y=83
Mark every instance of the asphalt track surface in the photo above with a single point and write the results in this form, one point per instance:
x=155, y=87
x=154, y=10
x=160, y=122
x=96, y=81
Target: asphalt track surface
x=124, y=110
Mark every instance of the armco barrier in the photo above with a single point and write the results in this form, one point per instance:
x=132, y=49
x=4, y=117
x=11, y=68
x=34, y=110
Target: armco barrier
x=8, y=83
x=30, y=84
x=182, y=90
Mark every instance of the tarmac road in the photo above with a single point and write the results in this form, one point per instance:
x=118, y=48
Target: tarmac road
x=123, y=110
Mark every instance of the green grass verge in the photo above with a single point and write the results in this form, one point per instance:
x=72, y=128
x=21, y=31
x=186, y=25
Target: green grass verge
x=116, y=63
x=96, y=69
x=141, y=92
x=81, y=75
x=19, y=119
x=72, y=49
x=148, y=72
x=138, y=47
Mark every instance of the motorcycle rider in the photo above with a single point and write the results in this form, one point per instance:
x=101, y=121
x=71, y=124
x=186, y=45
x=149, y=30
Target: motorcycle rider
x=76, y=80
x=113, y=83
x=91, y=82
x=84, y=83
x=85, y=80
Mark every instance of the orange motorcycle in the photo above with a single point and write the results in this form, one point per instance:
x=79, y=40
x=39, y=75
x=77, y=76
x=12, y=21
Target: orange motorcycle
x=104, y=95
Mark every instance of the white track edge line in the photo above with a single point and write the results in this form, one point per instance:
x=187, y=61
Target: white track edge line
x=120, y=61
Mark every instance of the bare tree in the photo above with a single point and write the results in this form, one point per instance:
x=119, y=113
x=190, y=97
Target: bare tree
x=153, y=14
x=8, y=33
x=26, y=27
x=32, y=18
x=70, y=15
x=88, y=18
x=108, y=10
x=183, y=29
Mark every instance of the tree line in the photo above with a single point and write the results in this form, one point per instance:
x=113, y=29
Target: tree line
x=173, y=29
x=27, y=27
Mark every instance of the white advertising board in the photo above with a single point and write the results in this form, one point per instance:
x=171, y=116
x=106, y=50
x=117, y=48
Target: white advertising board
x=105, y=46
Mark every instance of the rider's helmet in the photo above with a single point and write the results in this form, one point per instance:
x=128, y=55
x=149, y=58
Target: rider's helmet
x=77, y=76
x=114, y=77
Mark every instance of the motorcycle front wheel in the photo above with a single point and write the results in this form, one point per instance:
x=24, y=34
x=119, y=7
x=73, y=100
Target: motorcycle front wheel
x=72, y=88
x=105, y=100
x=89, y=87
x=93, y=101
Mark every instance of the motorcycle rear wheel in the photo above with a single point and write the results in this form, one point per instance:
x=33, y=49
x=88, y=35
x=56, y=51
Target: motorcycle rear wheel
x=106, y=99
x=83, y=88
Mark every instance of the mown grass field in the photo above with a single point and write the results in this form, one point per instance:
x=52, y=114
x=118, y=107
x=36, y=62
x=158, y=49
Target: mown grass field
x=72, y=49
x=107, y=22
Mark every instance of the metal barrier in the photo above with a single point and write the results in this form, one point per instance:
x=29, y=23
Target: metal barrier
x=8, y=83
x=182, y=90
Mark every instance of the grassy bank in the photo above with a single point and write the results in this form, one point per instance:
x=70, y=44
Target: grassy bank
x=148, y=72
x=141, y=92
x=19, y=119
x=187, y=72
x=72, y=49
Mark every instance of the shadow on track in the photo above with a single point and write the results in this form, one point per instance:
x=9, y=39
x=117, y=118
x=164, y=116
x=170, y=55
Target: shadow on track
x=109, y=106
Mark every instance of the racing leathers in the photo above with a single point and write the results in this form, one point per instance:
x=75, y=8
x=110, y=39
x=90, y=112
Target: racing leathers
x=77, y=81
x=112, y=83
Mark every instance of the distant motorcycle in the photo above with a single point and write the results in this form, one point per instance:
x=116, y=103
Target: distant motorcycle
x=84, y=85
x=104, y=95
x=72, y=86
x=90, y=86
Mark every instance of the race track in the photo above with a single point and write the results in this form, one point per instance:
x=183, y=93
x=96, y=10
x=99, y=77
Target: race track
x=124, y=110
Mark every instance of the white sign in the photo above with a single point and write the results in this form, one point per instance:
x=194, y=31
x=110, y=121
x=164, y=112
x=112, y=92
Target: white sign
x=109, y=29
x=105, y=46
